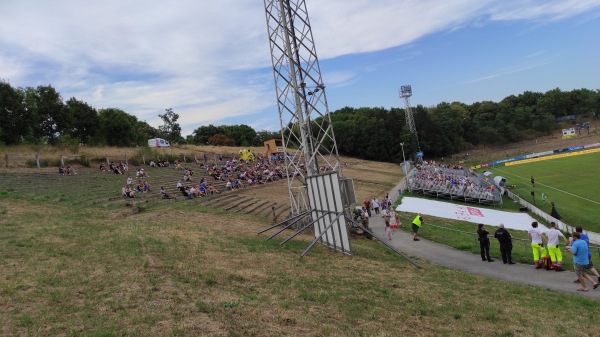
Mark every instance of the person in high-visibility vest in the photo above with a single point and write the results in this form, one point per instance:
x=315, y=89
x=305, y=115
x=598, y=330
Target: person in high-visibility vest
x=537, y=237
x=553, y=249
x=416, y=224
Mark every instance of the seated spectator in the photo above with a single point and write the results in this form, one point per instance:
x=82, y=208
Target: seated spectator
x=180, y=186
x=152, y=163
x=228, y=185
x=103, y=168
x=146, y=186
x=129, y=180
x=123, y=166
x=193, y=192
x=114, y=168
x=70, y=170
x=164, y=195
x=201, y=190
x=128, y=192
x=210, y=189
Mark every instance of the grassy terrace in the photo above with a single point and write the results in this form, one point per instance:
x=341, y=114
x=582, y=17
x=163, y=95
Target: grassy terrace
x=75, y=262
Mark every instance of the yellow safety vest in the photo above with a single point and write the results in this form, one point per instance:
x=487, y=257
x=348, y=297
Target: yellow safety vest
x=417, y=221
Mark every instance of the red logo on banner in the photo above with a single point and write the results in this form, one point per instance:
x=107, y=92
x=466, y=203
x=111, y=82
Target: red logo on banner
x=475, y=212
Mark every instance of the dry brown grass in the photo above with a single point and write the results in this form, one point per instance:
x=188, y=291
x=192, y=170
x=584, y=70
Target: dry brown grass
x=191, y=272
x=186, y=270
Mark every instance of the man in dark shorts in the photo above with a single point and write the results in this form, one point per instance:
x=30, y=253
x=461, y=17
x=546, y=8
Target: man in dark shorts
x=416, y=224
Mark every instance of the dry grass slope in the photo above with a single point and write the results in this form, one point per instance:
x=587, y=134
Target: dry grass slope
x=189, y=269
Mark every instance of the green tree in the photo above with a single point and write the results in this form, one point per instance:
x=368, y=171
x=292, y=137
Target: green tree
x=85, y=120
x=202, y=134
x=118, y=128
x=170, y=130
x=14, y=118
x=49, y=116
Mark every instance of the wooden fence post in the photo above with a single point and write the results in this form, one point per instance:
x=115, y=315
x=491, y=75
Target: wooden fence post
x=126, y=162
x=107, y=160
x=62, y=160
x=37, y=160
x=6, y=158
x=144, y=159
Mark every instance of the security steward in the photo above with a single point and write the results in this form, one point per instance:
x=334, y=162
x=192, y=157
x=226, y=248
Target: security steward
x=505, y=240
x=416, y=224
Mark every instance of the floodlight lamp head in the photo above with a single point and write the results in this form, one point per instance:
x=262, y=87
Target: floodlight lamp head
x=405, y=91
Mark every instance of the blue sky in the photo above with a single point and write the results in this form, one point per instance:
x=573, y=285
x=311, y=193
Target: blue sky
x=210, y=61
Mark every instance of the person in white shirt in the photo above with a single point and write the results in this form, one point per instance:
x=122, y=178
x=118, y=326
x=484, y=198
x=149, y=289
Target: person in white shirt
x=553, y=250
x=537, y=244
x=375, y=205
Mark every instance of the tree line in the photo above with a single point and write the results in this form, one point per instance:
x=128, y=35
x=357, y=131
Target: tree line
x=40, y=116
x=450, y=128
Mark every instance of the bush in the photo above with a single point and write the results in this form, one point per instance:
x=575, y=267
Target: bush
x=84, y=161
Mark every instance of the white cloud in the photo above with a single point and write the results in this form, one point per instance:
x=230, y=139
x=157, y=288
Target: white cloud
x=209, y=60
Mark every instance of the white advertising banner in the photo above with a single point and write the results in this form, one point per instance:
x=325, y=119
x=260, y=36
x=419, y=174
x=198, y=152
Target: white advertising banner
x=521, y=221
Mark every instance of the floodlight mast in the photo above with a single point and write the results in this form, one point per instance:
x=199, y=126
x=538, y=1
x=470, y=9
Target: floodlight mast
x=306, y=128
x=405, y=93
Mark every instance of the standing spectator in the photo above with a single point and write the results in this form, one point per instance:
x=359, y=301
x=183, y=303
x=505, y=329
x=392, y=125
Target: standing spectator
x=591, y=268
x=388, y=230
x=579, y=250
x=416, y=224
x=368, y=206
x=532, y=182
x=375, y=204
x=394, y=220
x=484, y=243
x=505, y=240
x=553, y=249
x=537, y=244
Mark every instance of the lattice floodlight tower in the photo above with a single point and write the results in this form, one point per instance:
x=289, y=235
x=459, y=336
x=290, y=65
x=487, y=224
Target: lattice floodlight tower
x=316, y=186
x=405, y=93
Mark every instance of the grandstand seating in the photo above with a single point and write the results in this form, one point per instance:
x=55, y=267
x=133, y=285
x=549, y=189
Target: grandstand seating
x=455, y=183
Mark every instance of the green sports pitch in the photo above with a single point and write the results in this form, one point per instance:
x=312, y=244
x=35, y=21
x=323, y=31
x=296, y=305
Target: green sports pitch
x=572, y=183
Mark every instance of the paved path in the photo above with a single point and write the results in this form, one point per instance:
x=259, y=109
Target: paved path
x=460, y=260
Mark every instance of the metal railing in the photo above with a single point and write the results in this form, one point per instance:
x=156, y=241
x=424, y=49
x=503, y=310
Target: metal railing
x=594, y=237
x=517, y=242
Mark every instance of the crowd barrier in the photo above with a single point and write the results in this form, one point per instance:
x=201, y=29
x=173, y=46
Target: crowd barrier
x=594, y=237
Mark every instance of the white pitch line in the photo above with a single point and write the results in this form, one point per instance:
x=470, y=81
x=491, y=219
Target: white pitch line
x=554, y=188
